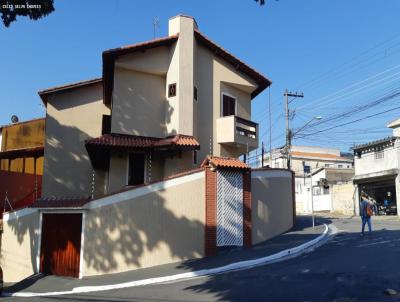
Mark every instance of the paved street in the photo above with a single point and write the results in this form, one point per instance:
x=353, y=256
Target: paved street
x=347, y=268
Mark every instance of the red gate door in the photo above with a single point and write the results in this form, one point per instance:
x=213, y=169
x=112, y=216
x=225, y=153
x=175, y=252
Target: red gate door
x=61, y=244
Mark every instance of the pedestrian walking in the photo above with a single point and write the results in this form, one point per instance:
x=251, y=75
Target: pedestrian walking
x=366, y=212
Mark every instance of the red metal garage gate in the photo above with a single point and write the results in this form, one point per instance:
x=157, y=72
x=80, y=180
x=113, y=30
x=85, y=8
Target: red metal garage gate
x=61, y=244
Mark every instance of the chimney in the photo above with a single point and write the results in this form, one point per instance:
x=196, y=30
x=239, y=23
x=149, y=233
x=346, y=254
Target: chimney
x=181, y=23
x=181, y=72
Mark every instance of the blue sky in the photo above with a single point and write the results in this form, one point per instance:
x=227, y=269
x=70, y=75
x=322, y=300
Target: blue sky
x=340, y=53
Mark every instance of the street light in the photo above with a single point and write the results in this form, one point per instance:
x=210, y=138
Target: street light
x=317, y=118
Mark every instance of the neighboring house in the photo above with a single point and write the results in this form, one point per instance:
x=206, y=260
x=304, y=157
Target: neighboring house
x=307, y=161
x=128, y=179
x=323, y=180
x=21, y=163
x=377, y=167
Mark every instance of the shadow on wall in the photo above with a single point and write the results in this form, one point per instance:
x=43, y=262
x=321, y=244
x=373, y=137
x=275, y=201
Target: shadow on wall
x=138, y=232
x=24, y=228
x=67, y=167
x=140, y=106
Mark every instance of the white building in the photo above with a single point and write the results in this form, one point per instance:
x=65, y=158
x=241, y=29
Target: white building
x=377, y=166
x=306, y=162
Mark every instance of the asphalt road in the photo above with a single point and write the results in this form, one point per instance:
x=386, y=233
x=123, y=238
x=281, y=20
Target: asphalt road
x=347, y=268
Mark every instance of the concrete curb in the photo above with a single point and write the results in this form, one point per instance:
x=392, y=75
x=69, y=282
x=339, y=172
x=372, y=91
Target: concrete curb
x=241, y=265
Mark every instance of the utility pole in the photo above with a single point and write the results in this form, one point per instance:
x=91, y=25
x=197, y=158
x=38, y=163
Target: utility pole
x=288, y=131
x=262, y=154
x=270, y=127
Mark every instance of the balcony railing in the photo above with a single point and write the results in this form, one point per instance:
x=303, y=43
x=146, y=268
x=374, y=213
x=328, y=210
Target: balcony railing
x=245, y=127
x=236, y=131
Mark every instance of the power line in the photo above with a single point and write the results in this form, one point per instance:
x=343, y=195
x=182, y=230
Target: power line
x=351, y=122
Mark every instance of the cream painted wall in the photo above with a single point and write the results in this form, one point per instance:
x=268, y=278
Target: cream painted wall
x=225, y=77
x=272, y=204
x=72, y=117
x=118, y=171
x=154, y=171
x=19, y=246
x=243, y=100
x=205, y=104
x=343, y=198
x=215, y=76
x=154, y=61
x=156, y=228
x=181, y=72
x=179, y=164
x=139, y=103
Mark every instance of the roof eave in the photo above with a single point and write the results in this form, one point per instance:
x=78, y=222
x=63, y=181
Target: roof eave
x=43, y=94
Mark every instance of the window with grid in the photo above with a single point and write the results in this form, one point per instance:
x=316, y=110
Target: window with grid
x=379, y=154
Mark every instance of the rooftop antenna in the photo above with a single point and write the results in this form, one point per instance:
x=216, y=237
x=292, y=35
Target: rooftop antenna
x=156, y=24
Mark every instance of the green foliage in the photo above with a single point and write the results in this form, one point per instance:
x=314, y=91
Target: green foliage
x=34, y=9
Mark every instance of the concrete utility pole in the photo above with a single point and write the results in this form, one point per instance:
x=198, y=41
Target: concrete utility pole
x=288, y=131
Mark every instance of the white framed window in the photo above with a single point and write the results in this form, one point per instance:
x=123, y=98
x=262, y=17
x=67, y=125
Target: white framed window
x=228, y=104
x=380, y=154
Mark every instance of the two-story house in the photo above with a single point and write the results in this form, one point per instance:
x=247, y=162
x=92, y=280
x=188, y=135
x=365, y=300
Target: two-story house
x=160, y=107
x=141, y=168
x=377, y=167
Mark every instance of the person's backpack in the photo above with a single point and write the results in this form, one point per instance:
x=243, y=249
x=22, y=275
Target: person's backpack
x=369, y=211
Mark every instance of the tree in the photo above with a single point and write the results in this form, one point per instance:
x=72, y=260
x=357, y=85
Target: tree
x=262, y=2
x=34, y=9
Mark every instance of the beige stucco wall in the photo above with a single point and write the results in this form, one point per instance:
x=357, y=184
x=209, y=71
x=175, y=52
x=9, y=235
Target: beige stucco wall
x=139, y=103
x=272, y=204
x=179, y=164
x=343, y=198
x=142, y=229
x=213, y=77
x=117, y=177
x=19, y=245
x=72, y=117
x=118, y=171
x=181, y=72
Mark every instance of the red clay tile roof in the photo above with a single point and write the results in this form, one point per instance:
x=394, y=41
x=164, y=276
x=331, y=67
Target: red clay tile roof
x=44, y=93
x=109, y=57
x=59, y=202
x=319, y=155
x=225, y=162
x=27, y=152
x=262, y=81
x=142, y=142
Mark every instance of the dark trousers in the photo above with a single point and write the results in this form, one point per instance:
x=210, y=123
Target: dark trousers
x=366, y=220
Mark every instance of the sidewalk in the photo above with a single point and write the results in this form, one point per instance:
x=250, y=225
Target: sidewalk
x=300, y=234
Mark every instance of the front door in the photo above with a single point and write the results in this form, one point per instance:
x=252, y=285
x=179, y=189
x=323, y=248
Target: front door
x=229, y=208
x=61, y=244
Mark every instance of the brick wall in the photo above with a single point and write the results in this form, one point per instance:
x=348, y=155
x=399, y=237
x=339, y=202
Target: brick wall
x=211, y=213
x=247, y=209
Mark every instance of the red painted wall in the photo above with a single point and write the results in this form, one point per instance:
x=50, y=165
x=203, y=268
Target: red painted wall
x=20, y=188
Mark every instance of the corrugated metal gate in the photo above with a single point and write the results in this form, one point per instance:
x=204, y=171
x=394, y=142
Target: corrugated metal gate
x=229, y=208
